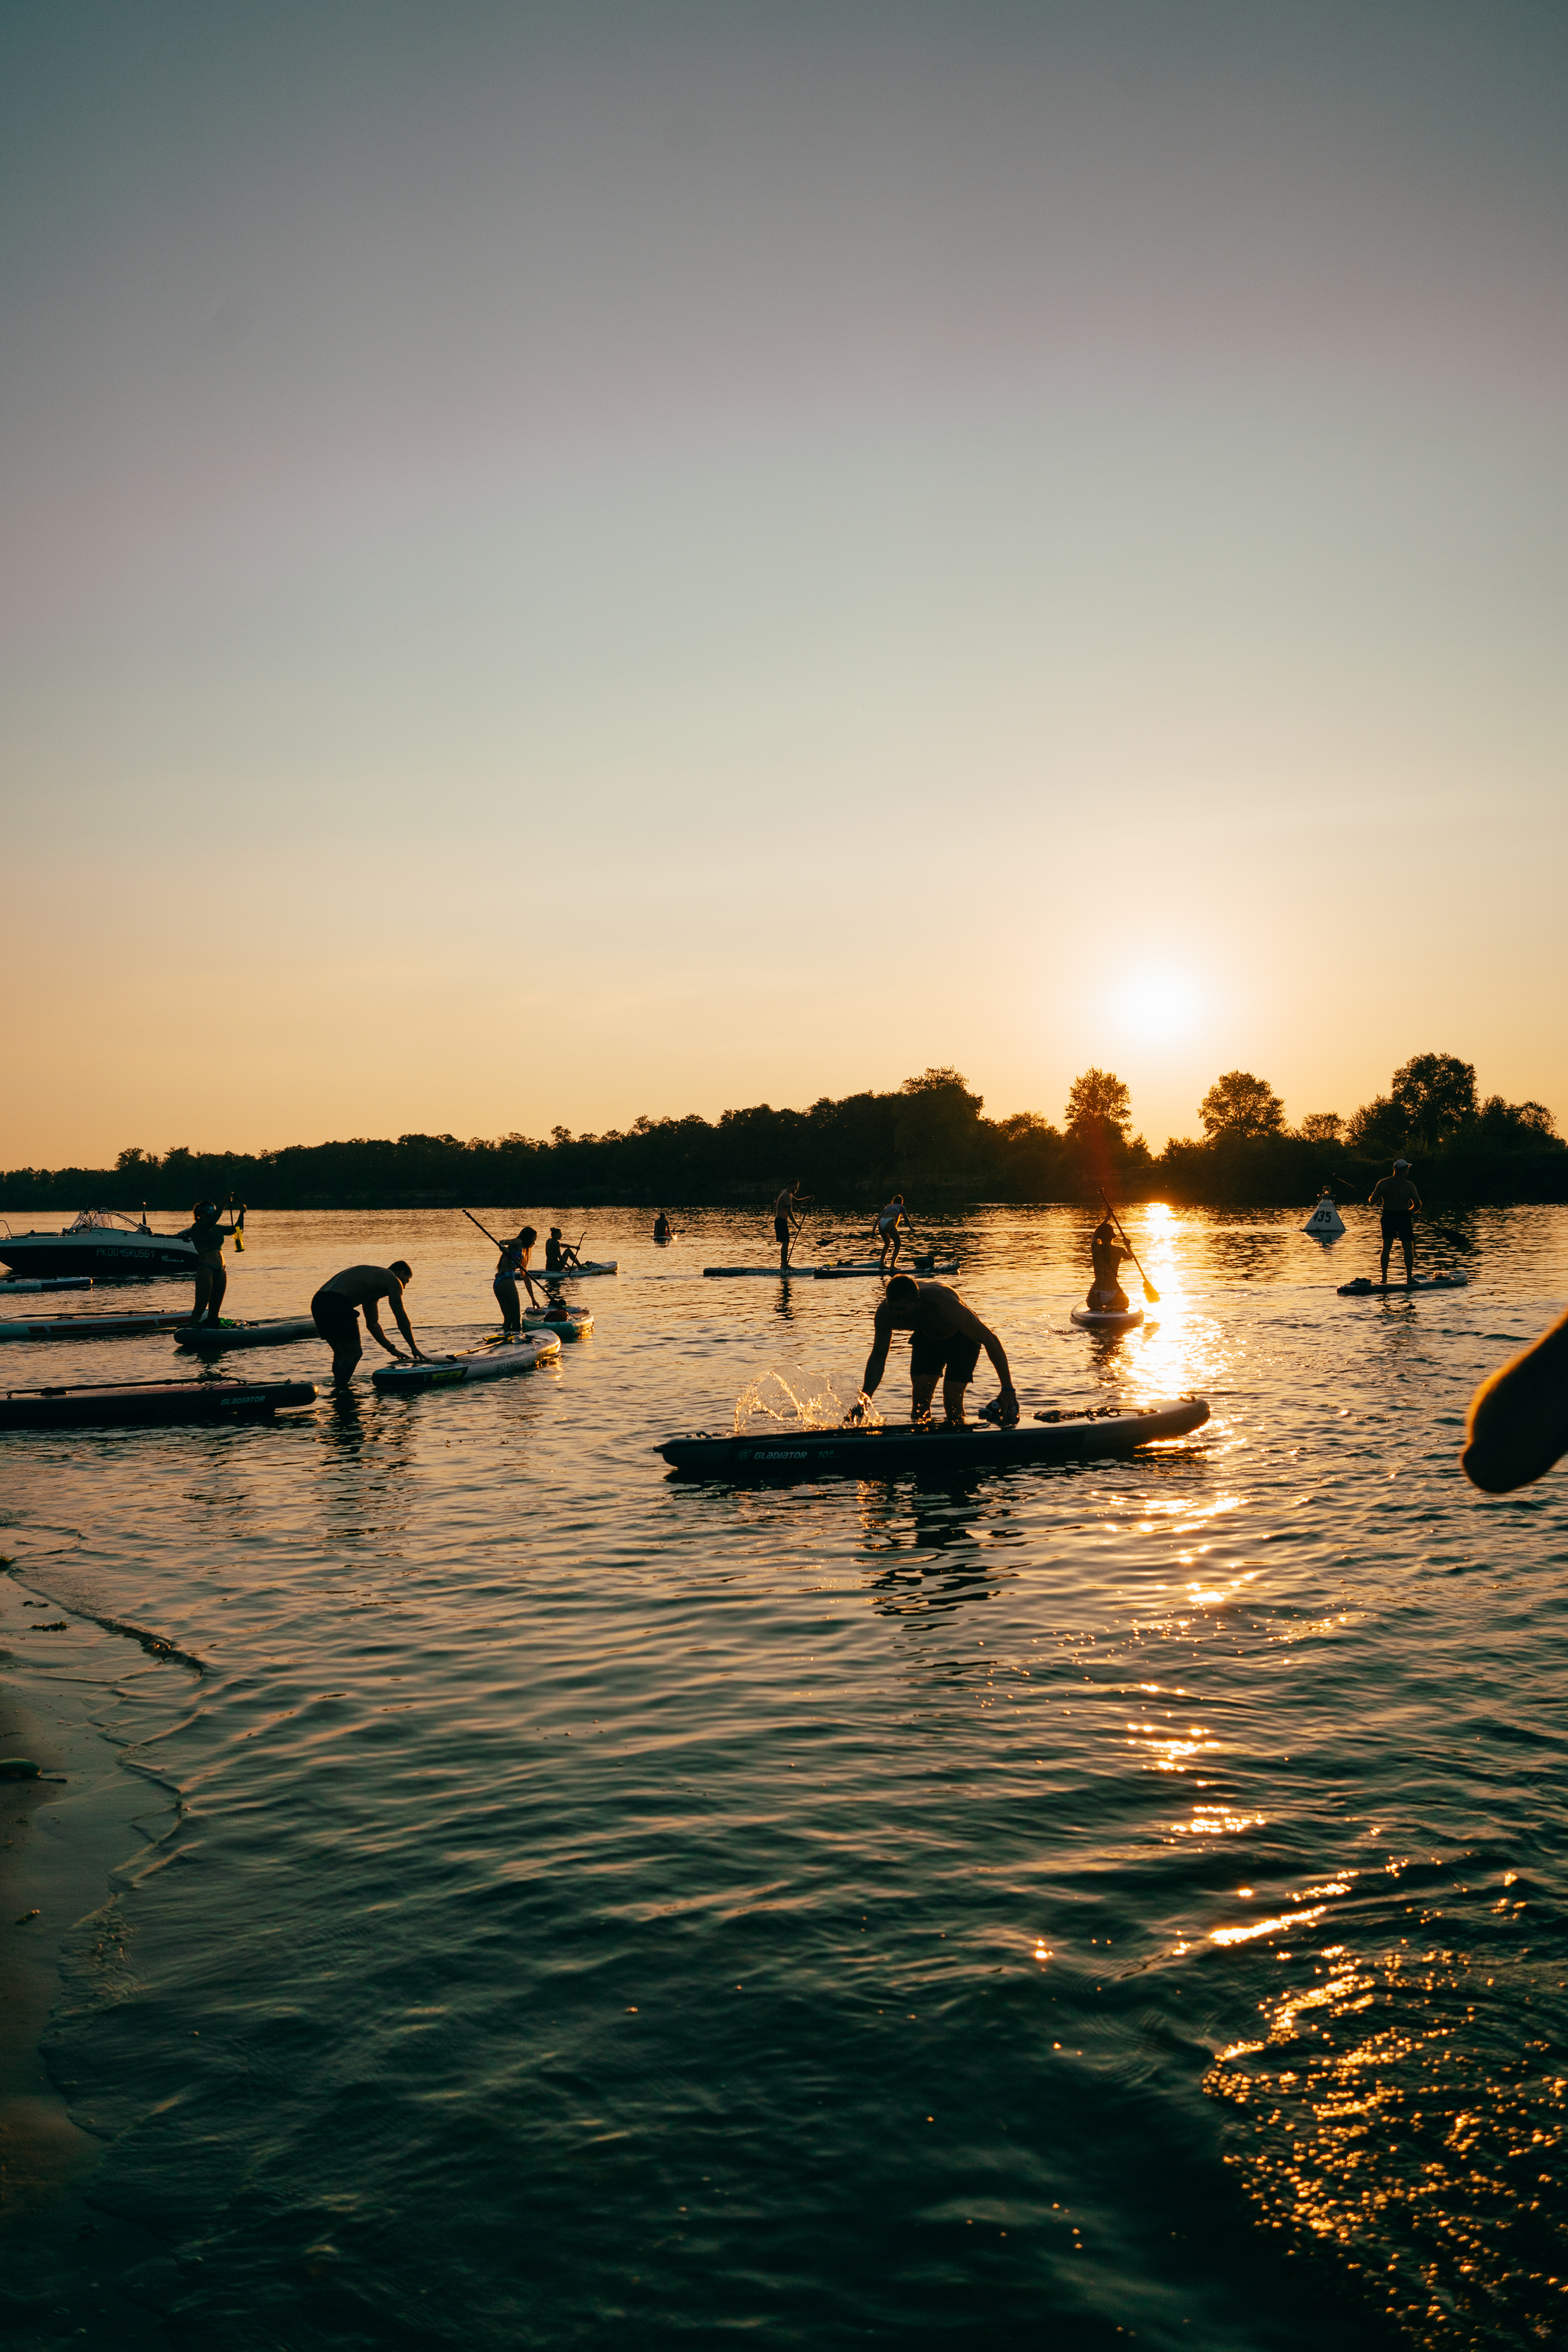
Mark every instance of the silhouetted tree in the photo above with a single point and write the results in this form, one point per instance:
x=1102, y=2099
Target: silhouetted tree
x=1240, y=1105
x=1437, y=1093
x=1322, y=1127
x=1098, y=1107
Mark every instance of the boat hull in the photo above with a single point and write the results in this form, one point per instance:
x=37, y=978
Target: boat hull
x=891, y=1452
x=97, y=1254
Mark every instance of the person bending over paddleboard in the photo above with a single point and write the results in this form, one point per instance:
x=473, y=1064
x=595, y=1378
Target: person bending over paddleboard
x=885, y=1232
x=333, y=1312
x=786, y=1223
x=559, y=1255
x=209, y=1234
x=948, y=1337
x=1395, y=1196
x=1106, y=1296
x=513, y=1267
x=1518, y=1424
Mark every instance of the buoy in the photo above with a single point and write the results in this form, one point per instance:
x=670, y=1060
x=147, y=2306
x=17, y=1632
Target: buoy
x=1325, y=1220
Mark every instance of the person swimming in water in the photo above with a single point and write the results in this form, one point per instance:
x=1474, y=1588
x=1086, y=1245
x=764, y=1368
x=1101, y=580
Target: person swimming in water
x=1106, y=1296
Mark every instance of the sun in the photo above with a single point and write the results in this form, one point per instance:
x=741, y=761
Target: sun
x=1157, y=1005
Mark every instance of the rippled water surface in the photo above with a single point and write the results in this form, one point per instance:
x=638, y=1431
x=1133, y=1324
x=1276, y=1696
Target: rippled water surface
x=1111, y=1902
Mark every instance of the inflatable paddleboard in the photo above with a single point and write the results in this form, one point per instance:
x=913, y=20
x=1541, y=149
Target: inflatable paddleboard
x=575, y=1273
x=89, y=1327
x=573, y=1324
x=487, y=1363
x=921, y=1269
x=46, y=1281
x=204, y=1336
x=1365, y=1289
x=1061, y=1436
x=149, y=1400
x=1100, y=1318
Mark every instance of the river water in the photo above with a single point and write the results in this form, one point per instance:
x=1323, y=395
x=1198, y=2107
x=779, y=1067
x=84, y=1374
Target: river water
x=1109, y=1903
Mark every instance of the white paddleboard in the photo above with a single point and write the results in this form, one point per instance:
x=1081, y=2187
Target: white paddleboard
x=1099, y=1318
x=488, y=1363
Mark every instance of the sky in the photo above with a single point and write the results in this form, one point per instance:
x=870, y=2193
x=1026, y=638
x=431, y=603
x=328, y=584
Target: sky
x=569, y=562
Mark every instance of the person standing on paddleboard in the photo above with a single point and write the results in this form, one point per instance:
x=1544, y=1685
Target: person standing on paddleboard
x=1394, y=1196
x=1106, y=1296
x=948, y=1337
x=334, y=1313
x=209, y=1234
x=786, y=1224
x=885, y=1232
x=513, y=1267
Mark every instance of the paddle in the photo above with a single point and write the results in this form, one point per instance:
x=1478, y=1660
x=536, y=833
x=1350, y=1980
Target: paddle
x=484, y=1229
x=1150, y=1293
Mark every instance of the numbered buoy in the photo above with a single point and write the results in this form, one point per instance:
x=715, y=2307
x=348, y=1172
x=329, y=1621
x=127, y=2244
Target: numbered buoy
x=1325, y=1220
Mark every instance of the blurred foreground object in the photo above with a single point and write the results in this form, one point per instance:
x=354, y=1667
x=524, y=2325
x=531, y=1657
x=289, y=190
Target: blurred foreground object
x=1518, y=1424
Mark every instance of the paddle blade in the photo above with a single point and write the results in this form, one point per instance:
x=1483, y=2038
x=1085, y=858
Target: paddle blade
x=1151, y=1294
x=1458, y=1240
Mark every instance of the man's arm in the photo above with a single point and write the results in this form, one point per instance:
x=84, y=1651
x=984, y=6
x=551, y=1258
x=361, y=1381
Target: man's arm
x=876, y=1365
x=1518, y=1423
x=1373, y=1197
x=396, y=1301
x=998, y=1355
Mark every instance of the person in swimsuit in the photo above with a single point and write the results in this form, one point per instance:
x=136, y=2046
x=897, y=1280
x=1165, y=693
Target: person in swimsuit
x=208, y=1232
x=1106, y=1296
x=947, y=1339
x=1518, y=1422
x=886, y=1230
x=334, y=1313
x=786, y=1224
x=1394, y=1196
x=514, y=1266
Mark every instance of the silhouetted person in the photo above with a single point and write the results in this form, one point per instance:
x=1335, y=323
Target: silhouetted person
x=948, y=1337
x=1106, y=1296
x=560, y=1256
x=1394, y=1196
x=886, y=1231
x=511, y=1269
x=335, y=1312
x=208, y=1233
x=1518, y=1424
x=786, y=1223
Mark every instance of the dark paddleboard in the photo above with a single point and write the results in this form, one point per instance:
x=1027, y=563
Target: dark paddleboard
x=886, y=1452
x=141, y=1401
x=91, y=1326
x=1365, y=1289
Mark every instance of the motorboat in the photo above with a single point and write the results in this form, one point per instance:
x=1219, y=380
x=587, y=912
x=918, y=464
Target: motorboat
x=100, y=1241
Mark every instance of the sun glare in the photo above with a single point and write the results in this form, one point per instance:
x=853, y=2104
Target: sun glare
x=1157, y=1005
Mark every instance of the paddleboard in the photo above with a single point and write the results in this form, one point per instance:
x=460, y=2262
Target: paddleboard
x=149, y=1401
x=89, y=1327
x=572, y=1273
x=204, y=1337
x=573, y=1324
x=1061, y=1436
x=487, y=1363
x=46, y=1281
x=1097, y=1318
x=1365, y=1289
x=921, y=1269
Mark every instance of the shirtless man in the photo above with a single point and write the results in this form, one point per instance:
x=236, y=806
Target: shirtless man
x=1519, y=1417
x=948, y=1337
x=786, y=1223
x=333, y=1311
x=209, y=1234
x=1106, y=1296
x=885, y=1232
x=1395, y=1196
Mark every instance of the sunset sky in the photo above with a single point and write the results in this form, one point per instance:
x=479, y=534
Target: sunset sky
x=564, y=563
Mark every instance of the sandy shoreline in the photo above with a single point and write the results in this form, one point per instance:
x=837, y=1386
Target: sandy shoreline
x=62, y=1839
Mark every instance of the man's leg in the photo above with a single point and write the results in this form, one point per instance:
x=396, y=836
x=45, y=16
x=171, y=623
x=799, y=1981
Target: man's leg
x=953, y=1387
x=923, y=1385
x=1387, y=1247
x=346, y=1353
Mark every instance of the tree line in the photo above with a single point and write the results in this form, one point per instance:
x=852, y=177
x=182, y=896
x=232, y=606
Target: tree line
x=929, y=1138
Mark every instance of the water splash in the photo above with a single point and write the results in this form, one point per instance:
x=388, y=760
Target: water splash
x=771, y=1402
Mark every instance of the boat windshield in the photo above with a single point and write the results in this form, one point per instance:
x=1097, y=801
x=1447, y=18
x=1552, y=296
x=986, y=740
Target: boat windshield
x=89, y=1221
